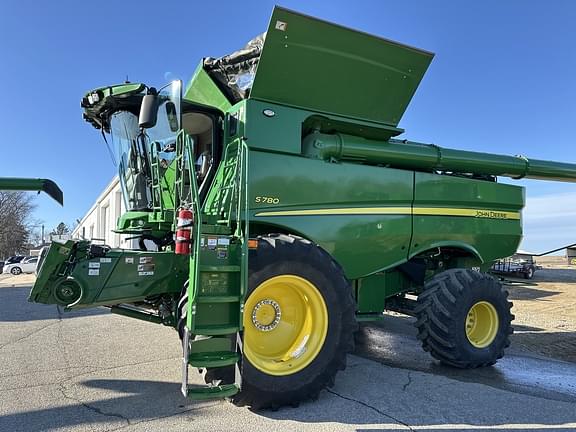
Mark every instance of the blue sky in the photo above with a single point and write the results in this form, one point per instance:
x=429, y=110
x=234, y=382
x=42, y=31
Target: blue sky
x=503, y=80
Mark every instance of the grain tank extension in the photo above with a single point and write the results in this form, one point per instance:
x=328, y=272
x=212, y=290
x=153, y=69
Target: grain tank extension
x=276, y=207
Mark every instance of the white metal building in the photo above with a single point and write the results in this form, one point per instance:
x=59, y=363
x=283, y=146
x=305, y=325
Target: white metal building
x=101, y=219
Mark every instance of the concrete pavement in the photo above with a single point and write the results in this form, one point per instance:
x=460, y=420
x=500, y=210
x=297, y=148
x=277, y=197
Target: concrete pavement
x=92, y=371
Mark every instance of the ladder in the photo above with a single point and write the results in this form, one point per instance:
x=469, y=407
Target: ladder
x=218, y=273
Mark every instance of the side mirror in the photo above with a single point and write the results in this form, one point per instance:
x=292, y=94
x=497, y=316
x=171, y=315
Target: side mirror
x=148, y=111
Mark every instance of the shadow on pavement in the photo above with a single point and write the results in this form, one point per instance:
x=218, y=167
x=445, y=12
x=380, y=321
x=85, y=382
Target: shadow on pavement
x=17, y=308
x=555, y=275
x=525, y=328
x=556, y=345
x=144, y=401
x=141, y=401
x=522, y=292
x=546, y=275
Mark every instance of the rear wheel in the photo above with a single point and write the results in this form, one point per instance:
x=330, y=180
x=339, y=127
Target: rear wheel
x=529, y=273
x=464, y=318
x=299, y=321
x=16, y=270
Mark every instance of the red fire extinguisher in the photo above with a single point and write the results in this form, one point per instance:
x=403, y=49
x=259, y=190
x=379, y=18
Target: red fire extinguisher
x=184, y=231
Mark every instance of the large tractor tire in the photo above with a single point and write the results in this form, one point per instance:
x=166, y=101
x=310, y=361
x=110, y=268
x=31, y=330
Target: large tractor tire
x=299, y=322
x=464, y=319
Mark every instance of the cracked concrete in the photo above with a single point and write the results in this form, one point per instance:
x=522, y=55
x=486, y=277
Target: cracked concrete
x=32, y=333
x=409, y=376
x=92, y=371
x=373, y=408
x=62, y=389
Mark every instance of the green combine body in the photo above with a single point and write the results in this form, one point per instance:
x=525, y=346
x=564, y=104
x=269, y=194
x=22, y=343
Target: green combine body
x=283, y=210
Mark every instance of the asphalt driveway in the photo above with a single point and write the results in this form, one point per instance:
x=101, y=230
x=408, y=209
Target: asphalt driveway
x=92, y=371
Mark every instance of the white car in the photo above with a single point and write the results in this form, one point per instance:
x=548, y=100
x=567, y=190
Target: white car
x=27, y=265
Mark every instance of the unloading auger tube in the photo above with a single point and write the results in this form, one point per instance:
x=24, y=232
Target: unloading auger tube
x=30, y=184
x=430, y=157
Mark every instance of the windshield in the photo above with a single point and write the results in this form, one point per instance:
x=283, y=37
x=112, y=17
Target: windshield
x=132, y=147
x=131, y=159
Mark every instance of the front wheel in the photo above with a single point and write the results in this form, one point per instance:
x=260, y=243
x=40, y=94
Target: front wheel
x=16, y=271
x=464, y=318
x=299, y=321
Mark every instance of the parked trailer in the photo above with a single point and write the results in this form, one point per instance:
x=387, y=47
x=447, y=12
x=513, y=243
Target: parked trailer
x=284, y=211
x=521, y=264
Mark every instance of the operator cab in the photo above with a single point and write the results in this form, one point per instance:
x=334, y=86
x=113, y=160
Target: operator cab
x=144, y=139
x=200, y=126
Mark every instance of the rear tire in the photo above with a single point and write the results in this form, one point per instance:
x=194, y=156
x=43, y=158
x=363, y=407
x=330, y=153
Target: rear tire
x=464, y=318
x=529, y=274
x=16, y=271
x=288, y=258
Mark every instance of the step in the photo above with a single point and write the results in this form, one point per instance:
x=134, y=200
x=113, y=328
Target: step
x=214, y=330
x=213, y=359
x=215, y=229
x=217, y=299
x=216, y=392
x=219, y=269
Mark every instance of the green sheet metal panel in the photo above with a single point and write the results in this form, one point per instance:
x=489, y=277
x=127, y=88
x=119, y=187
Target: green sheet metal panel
x=123, y=276
x=324, y=67
x=372, y=291
x=203, y=90
x=482, y=215
x=347, y=209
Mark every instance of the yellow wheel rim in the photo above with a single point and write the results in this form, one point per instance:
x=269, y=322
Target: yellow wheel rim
x=482, y=324
x=285, y=325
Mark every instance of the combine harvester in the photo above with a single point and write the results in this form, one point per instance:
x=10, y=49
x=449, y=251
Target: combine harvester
x=283, y=211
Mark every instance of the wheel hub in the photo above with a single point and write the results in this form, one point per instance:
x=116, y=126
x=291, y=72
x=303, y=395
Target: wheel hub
x=285, y=325
x=482, y=324
x=266, y=315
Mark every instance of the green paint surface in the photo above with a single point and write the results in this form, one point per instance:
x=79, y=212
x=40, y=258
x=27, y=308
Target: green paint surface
x=203, y=90
x=319, y=66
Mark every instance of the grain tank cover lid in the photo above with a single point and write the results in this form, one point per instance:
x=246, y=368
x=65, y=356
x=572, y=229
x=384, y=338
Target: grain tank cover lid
x=313, y=64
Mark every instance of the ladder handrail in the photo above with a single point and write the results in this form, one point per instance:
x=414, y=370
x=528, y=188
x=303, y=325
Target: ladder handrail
x=245, y=224
x=190, y=200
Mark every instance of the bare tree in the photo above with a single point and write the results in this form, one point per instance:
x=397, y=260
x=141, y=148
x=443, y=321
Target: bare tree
x=61, y=229
x=15, y=211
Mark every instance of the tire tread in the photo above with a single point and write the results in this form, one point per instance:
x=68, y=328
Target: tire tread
x=287, y=247
x=436, y=312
